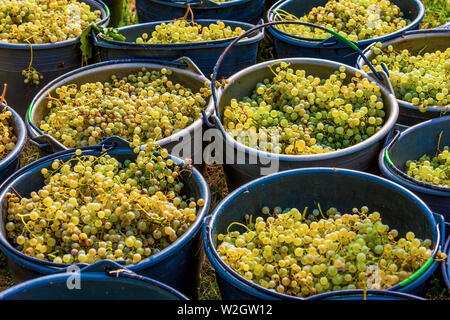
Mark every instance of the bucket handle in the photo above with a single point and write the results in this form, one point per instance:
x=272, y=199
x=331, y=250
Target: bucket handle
x=257, y=27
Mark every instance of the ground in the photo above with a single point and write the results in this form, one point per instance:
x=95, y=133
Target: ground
x=438, y=13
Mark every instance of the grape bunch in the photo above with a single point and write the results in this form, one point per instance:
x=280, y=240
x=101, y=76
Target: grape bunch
x=300, y=254
x=7, y=137
x=43, y=21
x=420, y=79
x=31, y=76
x=431, y=169
x=182, y=31
x=140, y=106
x=299, y=114
x=93, y=208
x=354, y=19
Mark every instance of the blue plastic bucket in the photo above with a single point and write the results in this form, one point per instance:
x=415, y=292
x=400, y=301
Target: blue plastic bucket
x=50, y=60
x=178, y=265
x=446, y=266
x=332, y=48
x=331, y=187
x=10, y=163
x=244, y=164
x=184, y=72
x=411, y=144
x=415, y=41
x=203, y=54
x=250, y=11
x=104, y=280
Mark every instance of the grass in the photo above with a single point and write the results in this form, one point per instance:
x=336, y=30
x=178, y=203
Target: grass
x=437, y=13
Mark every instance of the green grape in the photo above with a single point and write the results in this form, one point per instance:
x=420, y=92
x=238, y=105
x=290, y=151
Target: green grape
x=328, y=252
x=8, y=139
x=420, y=79
x=92, y=208
x=138, y=107
x=43, y=21
x=182, y=31
x=431, y=169
x=353, y=19
x=299, y=114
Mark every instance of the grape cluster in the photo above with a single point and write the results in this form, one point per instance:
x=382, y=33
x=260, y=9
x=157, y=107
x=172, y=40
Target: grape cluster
x=299, y=114
x=43, y=21
x=182, y=31
x=297, y=254
x=31, y=76
x=7, y=137
x=431, y=169
x=354, y=19
x=420, y=79
x=93, y=208
x=143, y=105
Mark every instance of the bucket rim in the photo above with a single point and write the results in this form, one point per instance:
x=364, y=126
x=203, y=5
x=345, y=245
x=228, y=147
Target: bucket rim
x=43, y=46
x=145, y=263
x=380, y=293
x=271, y=180
x=42, y=282
x=21, y=137
x=446, y=265
x=385, y=169
x=376, y=137
x=414, y=23
x=139, y=63
x=189, y=45
x=360, y=63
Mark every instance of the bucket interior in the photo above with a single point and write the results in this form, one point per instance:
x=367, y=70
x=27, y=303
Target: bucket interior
x=92, y=287
x=32, y=180
x=416, y=42
x=342, y=189
x=300, y=8
x=103, y=74
x=420, y=140
x=244, y=83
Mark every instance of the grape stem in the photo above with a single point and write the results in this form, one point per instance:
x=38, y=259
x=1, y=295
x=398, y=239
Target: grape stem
x=2, y=98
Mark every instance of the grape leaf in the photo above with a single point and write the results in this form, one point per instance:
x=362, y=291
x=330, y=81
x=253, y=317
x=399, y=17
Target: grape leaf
x=86, y=46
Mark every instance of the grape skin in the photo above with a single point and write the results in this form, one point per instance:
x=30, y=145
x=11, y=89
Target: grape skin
x=304, y=255
x=94, y=208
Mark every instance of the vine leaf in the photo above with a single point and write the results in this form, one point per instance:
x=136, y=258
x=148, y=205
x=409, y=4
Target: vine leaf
x=86, y=46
